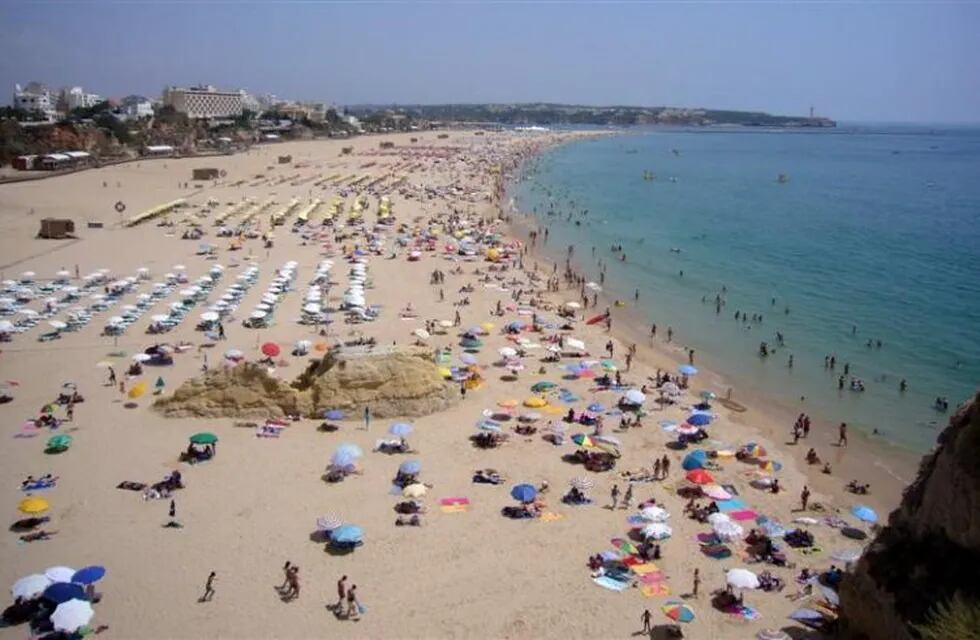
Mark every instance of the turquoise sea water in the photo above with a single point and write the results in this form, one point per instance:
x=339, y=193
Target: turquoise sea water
x=876, y=227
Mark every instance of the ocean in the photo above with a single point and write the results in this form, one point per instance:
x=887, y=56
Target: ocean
x=872, y=234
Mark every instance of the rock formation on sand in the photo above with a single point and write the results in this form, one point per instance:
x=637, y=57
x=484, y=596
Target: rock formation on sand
x=396, y=382
x=930, y=549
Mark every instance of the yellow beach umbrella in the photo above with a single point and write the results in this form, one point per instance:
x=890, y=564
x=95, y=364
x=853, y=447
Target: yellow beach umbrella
x=445, y=373
x=535, y=402
x=33, y=505
x=507, y=404
x=138, y=390
x=487, y=326
x=553, y=410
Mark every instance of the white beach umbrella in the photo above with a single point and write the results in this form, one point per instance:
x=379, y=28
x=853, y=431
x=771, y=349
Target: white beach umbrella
x=30, y=586
x=6, y=326
x=142, y=357
x=234, y=354
x=656, y=531
x=59, y=574
x=72, y=615
x=312, y=308
x=27, y=276
x=115, y=320
x=654, y=514
x=258, y=315
x=30, y=313
x=742, y=579
x=507, y=352
x=210, y=316
x=635, y=396
x=160, y=317
x=715, y=518
x=728, y=530
x=57, y=324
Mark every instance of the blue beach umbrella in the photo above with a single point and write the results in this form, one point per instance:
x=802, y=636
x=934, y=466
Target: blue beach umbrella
x=488, y=425
x=699, y=419
x=400, y=429
x=347, y=534
x=333, y=414
x=523, y=493
x=516, y=325
x=865, y=513
x=63, y=592
x=88, y=575
x=687, y=370
x=348, y=449
x=694, y=460
x=410, y=467
x=342, y=459
x=467, y=358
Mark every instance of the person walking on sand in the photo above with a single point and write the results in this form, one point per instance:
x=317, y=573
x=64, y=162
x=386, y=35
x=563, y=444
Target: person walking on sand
x=70, y=411
x=804, y=497
x=285, y=575
x=112, y=377
x=645, y=619
x=656, y=468
x=842, y=438
x=353, y=606
x=367, y=418
x=628, y=497
x=696, y=582
x=614, y=494
x=209, y=587
x=293, y=591
x=665, y=465
x=341, y=593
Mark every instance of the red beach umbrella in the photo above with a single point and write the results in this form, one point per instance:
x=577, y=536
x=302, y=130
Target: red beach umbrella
x=700, y=476
x=270, y=349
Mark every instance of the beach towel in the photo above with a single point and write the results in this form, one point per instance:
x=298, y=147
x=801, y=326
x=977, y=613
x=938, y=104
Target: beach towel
x=610, y=556
x=730, y=505
x=455, y=504
x=716, y=551
x=131, y=486
x=744, y=514
x=654, y=577
x=632, y=561
x=708, y=538
x=643, y=569
x=746, y=613
x=652, y=590
x=609, y=583
x=39, y=486
x=550, y=516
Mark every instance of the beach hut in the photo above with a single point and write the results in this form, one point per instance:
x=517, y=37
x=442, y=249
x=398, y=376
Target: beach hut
x=56, y=228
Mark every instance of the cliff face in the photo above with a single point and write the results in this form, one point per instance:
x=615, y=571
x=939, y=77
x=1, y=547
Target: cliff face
x=930, y=549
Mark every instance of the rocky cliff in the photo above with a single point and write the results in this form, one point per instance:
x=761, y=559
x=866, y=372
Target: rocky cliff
x=930, y=549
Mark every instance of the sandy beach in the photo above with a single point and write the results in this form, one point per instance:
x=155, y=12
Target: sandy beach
x=463, y=573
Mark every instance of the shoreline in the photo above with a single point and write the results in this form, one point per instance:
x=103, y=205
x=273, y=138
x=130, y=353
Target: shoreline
x=892, y=465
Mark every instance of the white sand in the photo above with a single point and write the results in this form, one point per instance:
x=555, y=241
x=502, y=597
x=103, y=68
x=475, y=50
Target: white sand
x=245, y=513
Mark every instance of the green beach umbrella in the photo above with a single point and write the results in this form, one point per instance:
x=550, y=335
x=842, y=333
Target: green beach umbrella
x=544, y=385
x=204, y=437
x=59, y=442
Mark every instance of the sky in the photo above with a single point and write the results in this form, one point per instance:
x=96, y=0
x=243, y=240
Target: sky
x=852, y=61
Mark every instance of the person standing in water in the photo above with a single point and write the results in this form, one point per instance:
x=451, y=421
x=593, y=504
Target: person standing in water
x=842, y=437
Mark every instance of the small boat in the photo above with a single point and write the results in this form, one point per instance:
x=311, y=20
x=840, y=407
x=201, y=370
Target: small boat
x=782, y=179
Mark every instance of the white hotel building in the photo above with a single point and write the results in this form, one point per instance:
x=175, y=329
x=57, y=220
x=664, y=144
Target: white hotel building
x=204, y=102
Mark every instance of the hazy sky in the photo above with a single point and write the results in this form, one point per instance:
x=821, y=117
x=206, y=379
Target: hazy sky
x=852, y=61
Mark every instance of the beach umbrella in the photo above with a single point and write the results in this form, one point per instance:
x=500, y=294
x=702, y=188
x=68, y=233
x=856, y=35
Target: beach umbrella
x=88, y=575
x=416, y=490
x=33, y=504
x=351, y=450
x=847, y=555
x=742, y=579
x=699, y=419
x=400, y=429
x=30, y=586
x=488, y=425
x=60, y=441
x=535, y=402
x=137, y=390
x=487, y=326
x=63, y=592
x=582, y=440
x=470, y=343
x=523, y=493
x=678, y=611
x=634, y=396
x=654, y=514
x=421, y=333
x=772, y=634
x=410, y=467
x=59, y=574
x=544, y=385
x=6, y=326
x=204, y=437
x=700, y=476
x=467, y=358
x=694, y=460
x=727, y=530
x=657, y=531
x=445, y=324
x=865, y=513
x=234, y=354
x=530, y=416
x=57, y=324
x=687, y=370
x=70, y=616
x=582, y=483
x=507, y=352
x=333, y=414
x=347, y=534
x=806, y=615
x=715, y=492
x=613, y=440
x=707, y=396
x=754, y=450
x=270, y=349
x=670, y=389
x=142, y=357
x=210, y=316
x=328, y=522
